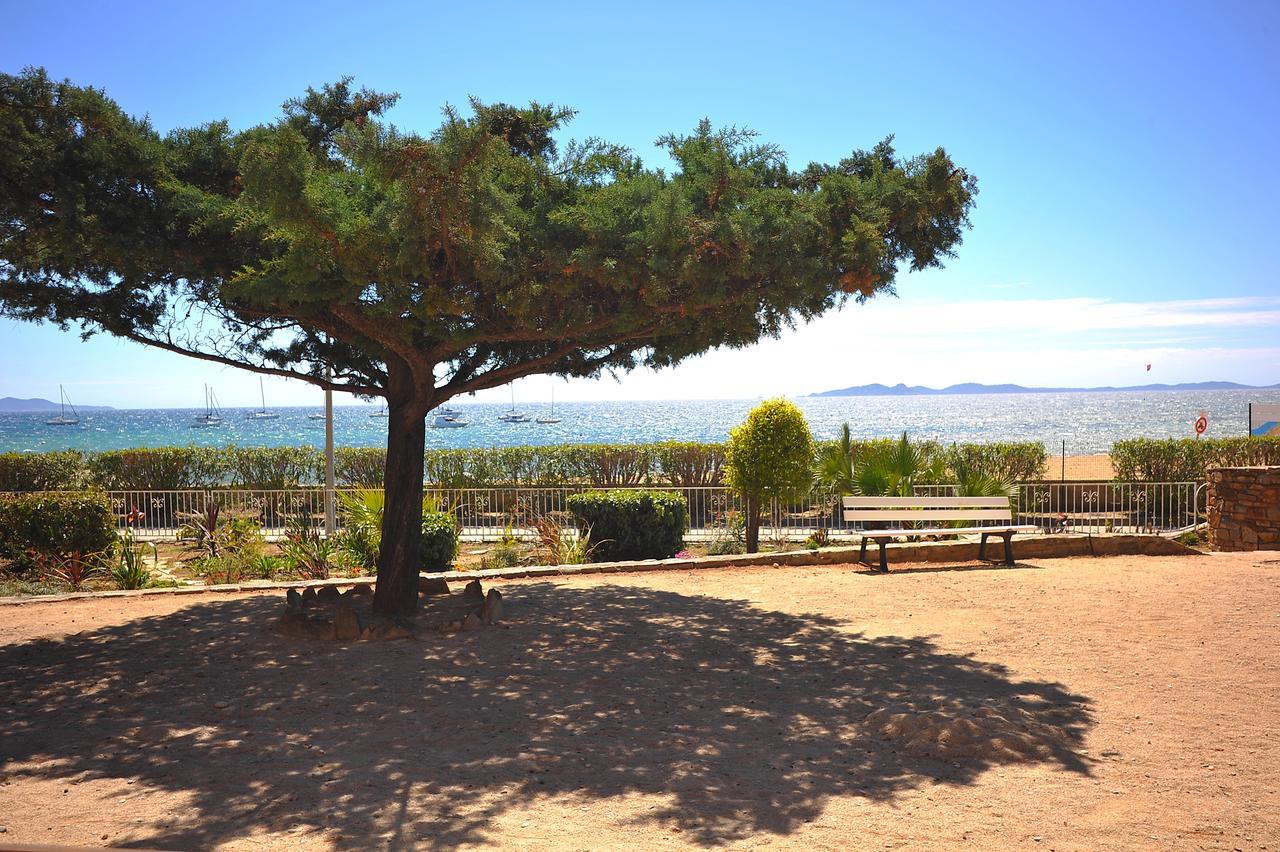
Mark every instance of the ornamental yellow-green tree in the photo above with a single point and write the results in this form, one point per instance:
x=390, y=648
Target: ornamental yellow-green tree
x=769, y=457
x=420, y=267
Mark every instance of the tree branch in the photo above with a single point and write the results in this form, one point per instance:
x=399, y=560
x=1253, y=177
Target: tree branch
x=170, y=346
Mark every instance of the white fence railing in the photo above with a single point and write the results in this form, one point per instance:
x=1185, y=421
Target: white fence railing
x=487, y=514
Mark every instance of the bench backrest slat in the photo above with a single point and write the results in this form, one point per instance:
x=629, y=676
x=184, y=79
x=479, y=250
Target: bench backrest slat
x=927, y=515
x=927, y=502
x=927, y=509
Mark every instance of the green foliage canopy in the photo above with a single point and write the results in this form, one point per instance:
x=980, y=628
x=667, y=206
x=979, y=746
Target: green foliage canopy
x=448, y=262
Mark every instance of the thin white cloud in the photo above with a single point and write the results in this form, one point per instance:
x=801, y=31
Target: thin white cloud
x=1089, y=314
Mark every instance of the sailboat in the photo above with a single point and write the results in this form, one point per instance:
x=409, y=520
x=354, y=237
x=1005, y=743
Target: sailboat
x=62, y=419
x=381, y=412
x=262, y=413
x=513, y=416
x=316, y=415
x=550, y=418
x=212, y=413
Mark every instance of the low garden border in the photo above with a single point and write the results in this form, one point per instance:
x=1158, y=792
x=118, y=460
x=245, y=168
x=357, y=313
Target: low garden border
x=1036, y=547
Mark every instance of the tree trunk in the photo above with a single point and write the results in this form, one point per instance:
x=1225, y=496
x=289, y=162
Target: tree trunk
x=398, y=557
x=753, y=524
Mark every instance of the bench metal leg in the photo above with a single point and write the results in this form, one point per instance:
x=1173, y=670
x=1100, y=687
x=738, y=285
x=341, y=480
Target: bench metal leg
x=1008, y=547
x=884, y=560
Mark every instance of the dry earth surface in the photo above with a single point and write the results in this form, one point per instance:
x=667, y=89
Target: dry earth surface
x=1063, y=704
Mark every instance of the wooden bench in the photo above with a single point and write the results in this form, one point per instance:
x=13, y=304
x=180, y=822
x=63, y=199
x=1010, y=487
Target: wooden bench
x=986, y=516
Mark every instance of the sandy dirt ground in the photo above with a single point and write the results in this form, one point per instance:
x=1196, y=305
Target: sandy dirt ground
x=1128, y=703
x=1096, y=466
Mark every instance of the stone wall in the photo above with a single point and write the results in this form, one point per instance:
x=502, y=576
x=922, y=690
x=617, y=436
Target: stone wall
x=1244, y=508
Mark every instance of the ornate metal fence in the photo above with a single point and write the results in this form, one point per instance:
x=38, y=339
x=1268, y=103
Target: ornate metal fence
x=1135, y=507
x=488, y=514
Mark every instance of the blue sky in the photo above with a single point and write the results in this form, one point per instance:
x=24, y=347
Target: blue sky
x=1125, y=154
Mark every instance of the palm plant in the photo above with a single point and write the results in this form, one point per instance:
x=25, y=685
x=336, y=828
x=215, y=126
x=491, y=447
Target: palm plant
x=895, y=470
x=834, y=468
x=972, y=481
x=362, y=510
x=878, y=470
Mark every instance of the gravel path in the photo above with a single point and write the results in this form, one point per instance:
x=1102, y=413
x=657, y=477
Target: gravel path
x=1126, y=702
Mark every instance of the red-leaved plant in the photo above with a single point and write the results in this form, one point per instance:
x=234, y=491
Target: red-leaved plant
x=73, y=569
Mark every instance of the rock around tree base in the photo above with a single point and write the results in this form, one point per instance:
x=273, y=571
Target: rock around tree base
x=348, y=616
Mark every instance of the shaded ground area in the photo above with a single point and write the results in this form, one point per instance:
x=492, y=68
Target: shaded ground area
x=1121, y=702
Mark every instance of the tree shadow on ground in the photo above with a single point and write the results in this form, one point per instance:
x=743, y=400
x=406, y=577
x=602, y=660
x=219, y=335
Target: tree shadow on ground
x=738, y=719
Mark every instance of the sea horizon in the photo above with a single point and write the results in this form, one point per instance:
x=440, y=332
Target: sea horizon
x=1089, y=422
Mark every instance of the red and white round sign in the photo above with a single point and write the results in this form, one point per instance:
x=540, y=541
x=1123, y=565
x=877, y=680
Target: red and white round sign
x=1202, y=423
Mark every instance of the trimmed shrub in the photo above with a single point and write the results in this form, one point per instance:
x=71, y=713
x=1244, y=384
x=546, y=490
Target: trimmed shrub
x=439, y=541
x=53, y=471
x=1188, y=459
x=770, y=457
x=55, y=524
x=632, y=524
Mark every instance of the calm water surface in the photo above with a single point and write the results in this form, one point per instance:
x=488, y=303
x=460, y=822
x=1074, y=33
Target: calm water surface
x=1088, y=422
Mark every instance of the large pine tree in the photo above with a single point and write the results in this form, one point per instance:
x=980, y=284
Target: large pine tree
x=423, y=267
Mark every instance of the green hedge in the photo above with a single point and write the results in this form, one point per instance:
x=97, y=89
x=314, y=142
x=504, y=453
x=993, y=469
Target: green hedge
x=275, y=467
x=612, y=465
x=55, y=523
x=632, y=524
x=178, y=468
x=1188, y=459
x=159, y=468
x=1004, y=461
x=665, y=463
x=359, y=467
x=55, y=471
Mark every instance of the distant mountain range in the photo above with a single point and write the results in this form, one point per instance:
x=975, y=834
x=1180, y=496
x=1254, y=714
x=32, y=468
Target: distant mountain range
x=974, y=388
x=10, y=403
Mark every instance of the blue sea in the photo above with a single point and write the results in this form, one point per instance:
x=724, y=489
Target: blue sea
x=1087, y=422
